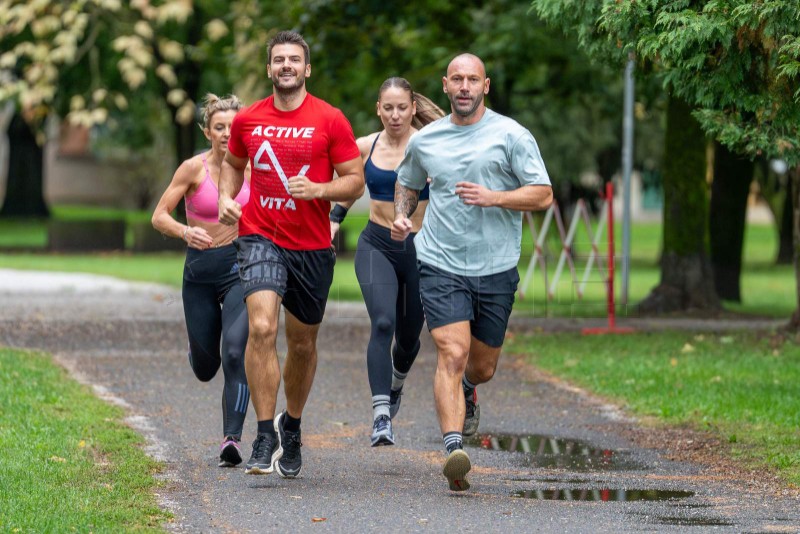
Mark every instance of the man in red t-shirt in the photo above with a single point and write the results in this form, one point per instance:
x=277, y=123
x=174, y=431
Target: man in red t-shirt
x=294, y=142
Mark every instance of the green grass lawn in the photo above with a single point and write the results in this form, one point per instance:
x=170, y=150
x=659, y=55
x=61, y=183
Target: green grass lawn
x=68, y=462
x=764, y=285
x=743, y=387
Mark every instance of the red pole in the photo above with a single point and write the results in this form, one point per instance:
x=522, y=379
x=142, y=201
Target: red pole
x=612, y=326
x=610, y=298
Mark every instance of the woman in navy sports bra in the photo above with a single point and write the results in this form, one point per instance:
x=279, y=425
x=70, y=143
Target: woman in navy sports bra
x=213, y=300
x=387, y=269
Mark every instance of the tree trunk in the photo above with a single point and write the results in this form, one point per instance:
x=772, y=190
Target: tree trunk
x=687, y=281
x=727, y=214
x=794, y=191
x=785, y=246
x=25, y=184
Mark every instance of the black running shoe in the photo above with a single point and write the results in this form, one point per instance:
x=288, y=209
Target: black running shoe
x=266, y=453
x=473, y=414
x=394, y=401
x=290, y=464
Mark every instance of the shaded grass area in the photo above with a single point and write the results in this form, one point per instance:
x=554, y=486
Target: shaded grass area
x=743, y=387
x=764, y=285
x=31, y=233
x=68, y=461
x=162, y=268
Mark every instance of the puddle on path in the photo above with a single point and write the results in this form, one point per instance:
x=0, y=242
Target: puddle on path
x=693, y=521
x=550, y=452
x=601, y=495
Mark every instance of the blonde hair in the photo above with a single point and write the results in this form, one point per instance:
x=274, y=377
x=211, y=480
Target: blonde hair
x=212, y=103
x=427, y=111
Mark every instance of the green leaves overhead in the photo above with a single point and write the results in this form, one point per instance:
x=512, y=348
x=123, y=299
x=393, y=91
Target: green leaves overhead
x=736, y=61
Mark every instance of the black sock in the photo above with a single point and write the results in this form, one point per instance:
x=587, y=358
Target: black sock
x=266, y=427
x=290, y=423
x=452, y=441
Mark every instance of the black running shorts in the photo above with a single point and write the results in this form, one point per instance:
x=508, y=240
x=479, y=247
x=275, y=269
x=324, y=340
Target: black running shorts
x=484, y=301
x=301, y=277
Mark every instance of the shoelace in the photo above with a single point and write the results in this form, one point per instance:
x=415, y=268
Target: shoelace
x=260, y=445
x=291, y=444
x=382, y=423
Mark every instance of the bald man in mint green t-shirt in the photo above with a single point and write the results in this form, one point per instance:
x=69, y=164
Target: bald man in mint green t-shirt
x=485, y=169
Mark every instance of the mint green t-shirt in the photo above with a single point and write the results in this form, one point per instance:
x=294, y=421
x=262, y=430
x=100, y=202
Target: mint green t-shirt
x=496, y=152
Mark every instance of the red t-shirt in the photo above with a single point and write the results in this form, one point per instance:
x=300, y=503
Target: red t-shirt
x=306, y=141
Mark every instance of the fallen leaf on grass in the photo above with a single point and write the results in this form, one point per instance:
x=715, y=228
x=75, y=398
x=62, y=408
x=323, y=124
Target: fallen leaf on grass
x=687, y=348
x=57, y=459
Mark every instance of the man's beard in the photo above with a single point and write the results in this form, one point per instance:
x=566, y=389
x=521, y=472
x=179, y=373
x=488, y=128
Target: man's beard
x=460, y=111
x=284, y=91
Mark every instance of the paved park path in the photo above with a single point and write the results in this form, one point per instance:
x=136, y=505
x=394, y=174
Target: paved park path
x=574, y=466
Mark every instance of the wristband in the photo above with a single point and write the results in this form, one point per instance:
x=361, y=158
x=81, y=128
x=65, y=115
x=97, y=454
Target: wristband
x=184, y=233
x=338, y=213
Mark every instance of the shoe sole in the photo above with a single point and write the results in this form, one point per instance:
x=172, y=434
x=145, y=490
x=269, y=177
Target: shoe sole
x=282, y=473
x=382, y=440
x=259, y=470
x=229, y=457
x=455, y=470
x=471, y=425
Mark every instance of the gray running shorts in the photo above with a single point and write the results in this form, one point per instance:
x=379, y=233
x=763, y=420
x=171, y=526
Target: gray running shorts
x=301, y=277
x=484, y=301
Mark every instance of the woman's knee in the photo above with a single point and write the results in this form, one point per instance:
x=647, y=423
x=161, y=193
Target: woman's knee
x=383, y=326
x=204, y=371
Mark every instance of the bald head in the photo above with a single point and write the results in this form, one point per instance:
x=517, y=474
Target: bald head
x=465, y=85
x=469, y=62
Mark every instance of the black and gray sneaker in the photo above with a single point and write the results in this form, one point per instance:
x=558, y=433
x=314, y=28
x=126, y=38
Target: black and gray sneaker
x=290, y=464
x=266, y=453
x=394, y=402
x=382, y=431
x=473, y=415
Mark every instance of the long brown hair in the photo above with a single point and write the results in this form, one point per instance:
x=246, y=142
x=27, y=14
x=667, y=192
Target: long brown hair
x=427, y=111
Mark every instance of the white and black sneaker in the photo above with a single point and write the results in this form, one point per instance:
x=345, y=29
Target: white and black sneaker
x=290, y=464
x=382, y=431
x=266, y=453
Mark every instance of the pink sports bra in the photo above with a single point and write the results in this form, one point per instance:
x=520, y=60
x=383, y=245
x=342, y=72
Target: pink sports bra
x=202, y=205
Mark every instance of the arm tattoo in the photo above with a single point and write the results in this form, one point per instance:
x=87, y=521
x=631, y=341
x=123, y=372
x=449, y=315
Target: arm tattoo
x=405, y=200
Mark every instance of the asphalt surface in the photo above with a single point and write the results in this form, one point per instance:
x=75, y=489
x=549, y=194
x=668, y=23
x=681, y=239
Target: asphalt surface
x=572, y=469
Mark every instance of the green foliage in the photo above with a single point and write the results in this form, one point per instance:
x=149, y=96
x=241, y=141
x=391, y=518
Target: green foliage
x=736, y=61
x=537, y=77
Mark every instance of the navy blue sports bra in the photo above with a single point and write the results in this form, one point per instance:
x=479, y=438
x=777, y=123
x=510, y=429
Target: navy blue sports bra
x=380, y=182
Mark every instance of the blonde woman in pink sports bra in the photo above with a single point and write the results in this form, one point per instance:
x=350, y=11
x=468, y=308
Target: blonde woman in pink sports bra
x=213, y=300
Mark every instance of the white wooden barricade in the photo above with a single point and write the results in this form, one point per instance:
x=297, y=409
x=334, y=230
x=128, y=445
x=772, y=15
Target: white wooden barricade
x=567, y=238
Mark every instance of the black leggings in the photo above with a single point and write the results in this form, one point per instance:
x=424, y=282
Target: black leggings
x=213, y=304
x=389, y=280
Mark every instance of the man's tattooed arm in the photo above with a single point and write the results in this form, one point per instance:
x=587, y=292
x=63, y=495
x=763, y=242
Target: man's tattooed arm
x=405, y=201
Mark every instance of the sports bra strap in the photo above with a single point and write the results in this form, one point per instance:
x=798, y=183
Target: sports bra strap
x=205, y=166
x=371, y=150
